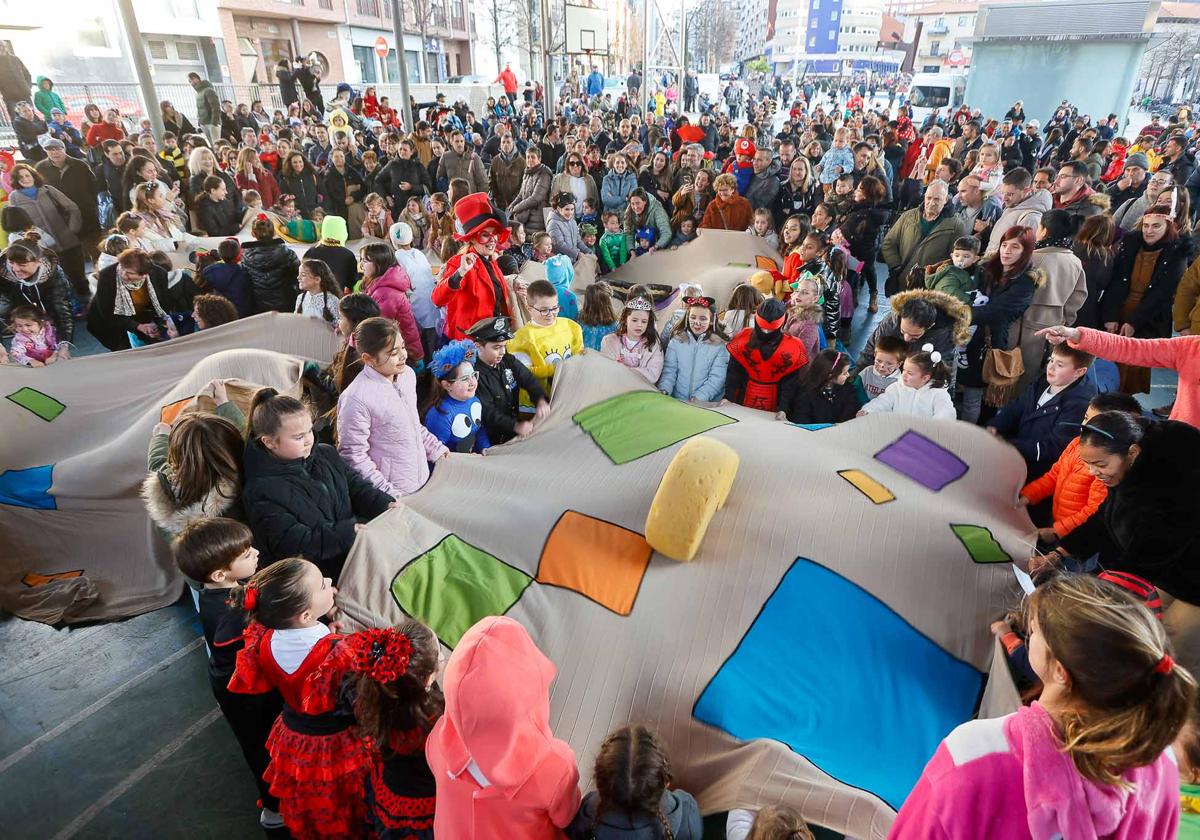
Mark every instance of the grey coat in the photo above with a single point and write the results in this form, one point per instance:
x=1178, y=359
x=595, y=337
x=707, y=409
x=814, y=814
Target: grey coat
x=533, y=195
x=54, y=213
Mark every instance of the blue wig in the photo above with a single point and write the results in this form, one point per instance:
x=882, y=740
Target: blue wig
x=451, y=356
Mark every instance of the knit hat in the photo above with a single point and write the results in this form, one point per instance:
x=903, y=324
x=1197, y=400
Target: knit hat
x=770, y=315
x=400, y=234
x=333, y=231
x=645, y=233
x=53, y=143
x=1137, y=159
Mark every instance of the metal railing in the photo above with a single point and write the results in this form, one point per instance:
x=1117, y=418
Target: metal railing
x=125, y=98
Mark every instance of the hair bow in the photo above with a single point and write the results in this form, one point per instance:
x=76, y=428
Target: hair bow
x=381, y=654
x=250, y=599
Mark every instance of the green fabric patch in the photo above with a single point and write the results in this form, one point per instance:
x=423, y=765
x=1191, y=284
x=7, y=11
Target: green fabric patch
x=43, y=405
x=630, y=426
x=454, y=585
x=980, y=544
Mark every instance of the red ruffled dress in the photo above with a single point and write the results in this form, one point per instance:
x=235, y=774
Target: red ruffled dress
x=318, y=763
x=400, y=789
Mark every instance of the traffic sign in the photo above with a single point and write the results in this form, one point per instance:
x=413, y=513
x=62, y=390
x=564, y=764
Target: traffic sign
x=381, y=47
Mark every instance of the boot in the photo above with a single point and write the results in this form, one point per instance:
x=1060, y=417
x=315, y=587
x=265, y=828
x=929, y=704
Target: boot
x=873, y=303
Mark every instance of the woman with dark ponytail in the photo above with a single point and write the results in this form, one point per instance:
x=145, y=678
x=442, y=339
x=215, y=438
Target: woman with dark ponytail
x=1088, y=759
x=300, y=498
x=631, y=799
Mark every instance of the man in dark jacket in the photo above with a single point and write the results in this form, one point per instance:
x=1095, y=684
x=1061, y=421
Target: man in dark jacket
x=287, y=84
x=15, y=80
x=74, y=179
x=691, y=88
x=501, y=380
x=110, y=176
x=29, y=127
x=208, y=107
x=1045, y=417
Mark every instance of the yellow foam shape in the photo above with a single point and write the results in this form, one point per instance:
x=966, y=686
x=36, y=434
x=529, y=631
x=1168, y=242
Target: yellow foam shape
x=868, y=486
x=694, y=486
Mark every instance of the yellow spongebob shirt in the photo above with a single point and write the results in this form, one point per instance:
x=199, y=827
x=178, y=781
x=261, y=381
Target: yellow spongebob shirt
x=543, y=348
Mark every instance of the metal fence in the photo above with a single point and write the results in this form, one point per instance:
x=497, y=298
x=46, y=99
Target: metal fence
x=126, y=98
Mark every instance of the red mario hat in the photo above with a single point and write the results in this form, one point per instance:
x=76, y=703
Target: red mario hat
x=744, y=146
x=474, y=214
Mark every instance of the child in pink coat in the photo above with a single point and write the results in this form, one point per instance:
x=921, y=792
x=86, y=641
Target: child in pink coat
x=380, y=435
x=1181, y=354
x=501, y=774
x=388, y=285
x=1111, y=690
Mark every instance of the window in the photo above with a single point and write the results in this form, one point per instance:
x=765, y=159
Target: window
x=184, y=9
x=812, y=42
x=157, y=50
x=188, y=51
x=364, y=57
x=325, y=4
x=962, y=20
x=833, y=15
x=370, y=8
x=935, y=48
x=816, y=4
x=93, y=34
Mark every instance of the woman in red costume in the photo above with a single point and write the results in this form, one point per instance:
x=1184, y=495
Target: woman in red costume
x=473, y=286
x=764, y=361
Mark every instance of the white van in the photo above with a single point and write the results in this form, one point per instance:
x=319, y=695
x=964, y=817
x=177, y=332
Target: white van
x=930, y=92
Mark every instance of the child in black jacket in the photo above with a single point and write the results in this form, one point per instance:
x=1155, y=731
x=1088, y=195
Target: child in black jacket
x=825, y=395
x=301, y=500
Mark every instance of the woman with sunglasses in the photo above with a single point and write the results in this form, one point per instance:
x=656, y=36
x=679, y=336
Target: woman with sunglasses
x=575, y=179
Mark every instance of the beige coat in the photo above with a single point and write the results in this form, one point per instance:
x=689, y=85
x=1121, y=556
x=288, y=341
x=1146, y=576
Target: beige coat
x=1057, y=301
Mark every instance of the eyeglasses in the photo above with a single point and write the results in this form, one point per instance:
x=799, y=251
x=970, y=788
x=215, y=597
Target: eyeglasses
x=549, y=310
x=466, y=377
x=485, y=235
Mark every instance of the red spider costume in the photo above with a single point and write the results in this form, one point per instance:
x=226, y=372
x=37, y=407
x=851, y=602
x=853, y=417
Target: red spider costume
x=317, y=761
x=764, y=375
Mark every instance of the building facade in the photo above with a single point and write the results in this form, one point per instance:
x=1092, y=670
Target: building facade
x=946, y=30
x=830, y=37
x=755, y=22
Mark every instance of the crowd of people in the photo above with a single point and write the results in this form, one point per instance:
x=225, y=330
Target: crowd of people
x=1035, y=274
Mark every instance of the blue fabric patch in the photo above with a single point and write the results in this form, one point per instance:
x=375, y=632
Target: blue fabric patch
x=813, y=427
x=28, y=488
x=831, y=671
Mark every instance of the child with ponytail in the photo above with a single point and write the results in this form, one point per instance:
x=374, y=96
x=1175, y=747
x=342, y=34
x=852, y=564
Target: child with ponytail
x=317, y=761
x=1088, y=759
x=379, y=431
x=920, y=391
x=631, y=799
x=300, y=498
x=825, y=395
x=392, y=673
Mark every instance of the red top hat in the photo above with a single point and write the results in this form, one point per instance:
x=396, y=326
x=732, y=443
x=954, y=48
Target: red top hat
x=744, y=146
x=474, y=214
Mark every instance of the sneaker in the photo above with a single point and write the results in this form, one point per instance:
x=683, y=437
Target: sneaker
x=1163, y=411
x=270, y=819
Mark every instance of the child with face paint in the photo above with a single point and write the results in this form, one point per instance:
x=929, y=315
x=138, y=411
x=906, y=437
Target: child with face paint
x=696, y=358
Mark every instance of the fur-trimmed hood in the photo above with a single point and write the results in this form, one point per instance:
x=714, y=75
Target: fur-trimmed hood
x=172, y=518
x=954, y=309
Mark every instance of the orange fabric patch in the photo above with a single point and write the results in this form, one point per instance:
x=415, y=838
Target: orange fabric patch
x=765, y=263
x=601, y=561
x=169, y=413
x=35, y=579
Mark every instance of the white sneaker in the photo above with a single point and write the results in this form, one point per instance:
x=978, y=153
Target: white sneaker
x=270, y=819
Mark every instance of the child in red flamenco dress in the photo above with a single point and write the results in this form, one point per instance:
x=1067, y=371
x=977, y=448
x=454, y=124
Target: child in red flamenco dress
x=317, y=760
x=391, y=674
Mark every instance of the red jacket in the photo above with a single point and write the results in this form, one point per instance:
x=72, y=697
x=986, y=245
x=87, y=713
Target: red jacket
x=475, y=297
x=1077, y=493
x=97, y=133
x=265, y=183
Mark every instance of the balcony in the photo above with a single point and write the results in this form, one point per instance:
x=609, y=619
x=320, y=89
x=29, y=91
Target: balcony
x=938, y=29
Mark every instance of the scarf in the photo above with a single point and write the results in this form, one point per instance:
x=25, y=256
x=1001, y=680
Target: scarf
x=1055, y=242
x=123, y=305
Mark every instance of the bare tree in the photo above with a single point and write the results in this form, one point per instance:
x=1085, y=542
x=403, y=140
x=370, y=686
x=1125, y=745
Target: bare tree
x=498, y=25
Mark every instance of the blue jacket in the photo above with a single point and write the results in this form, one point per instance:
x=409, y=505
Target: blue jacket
x=694, y=368
x=595, y=83
x=1041, y=434
x=615, y=190
x=232, y=281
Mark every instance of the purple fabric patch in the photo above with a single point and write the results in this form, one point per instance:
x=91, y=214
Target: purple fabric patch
x=922, y=460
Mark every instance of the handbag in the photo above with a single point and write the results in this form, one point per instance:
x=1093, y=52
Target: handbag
x=1002, y=370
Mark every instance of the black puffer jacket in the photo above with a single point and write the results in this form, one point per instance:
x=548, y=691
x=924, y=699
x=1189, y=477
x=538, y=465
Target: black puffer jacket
x=307, y=507
x=1152, y=317
x=272, y=267
x=52, y=295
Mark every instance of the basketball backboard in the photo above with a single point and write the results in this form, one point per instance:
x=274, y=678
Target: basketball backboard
x=587, y=30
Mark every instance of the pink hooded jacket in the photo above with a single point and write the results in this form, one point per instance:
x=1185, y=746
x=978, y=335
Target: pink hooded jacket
x=1007, y=777
x=380, y=435
x=501, y=774
x=390, y=291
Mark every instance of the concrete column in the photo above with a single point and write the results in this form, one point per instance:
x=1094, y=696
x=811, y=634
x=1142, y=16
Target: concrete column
x=141, y=67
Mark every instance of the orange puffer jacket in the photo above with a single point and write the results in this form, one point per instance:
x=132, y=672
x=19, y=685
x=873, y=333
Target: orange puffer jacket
x=1077, y=494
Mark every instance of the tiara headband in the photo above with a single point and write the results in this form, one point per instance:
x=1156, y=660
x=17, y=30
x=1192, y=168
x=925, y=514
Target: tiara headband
x=640, y=304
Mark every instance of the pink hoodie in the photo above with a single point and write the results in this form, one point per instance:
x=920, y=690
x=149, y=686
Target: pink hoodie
x=1008, y=778
x=1181, y=354
x=390, y=291
x=501, y=774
